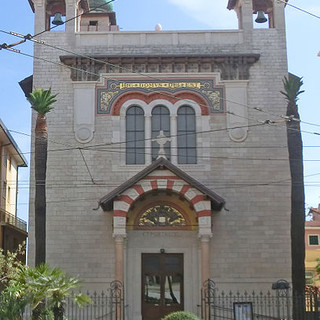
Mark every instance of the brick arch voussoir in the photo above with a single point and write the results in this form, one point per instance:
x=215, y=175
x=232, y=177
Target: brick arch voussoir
x=171, y=97
x=158, y=184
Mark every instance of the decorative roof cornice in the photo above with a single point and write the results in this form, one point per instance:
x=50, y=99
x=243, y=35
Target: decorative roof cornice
x=231, y=67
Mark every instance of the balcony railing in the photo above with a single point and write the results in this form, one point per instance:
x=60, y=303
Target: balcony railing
x=8, y=218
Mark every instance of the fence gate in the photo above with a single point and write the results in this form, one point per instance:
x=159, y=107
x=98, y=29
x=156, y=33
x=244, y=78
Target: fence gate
x=275, y=305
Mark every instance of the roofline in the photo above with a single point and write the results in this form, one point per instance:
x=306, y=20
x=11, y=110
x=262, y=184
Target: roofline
x=232, y=4
x=31, y=5
x=26, y=85
x=105, y=201
x=14, y=144
x=84, y=4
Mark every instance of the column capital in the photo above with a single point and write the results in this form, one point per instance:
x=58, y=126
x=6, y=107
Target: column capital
x=119, y=237
x=205, y=237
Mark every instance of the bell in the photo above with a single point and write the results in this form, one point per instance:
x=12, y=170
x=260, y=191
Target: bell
x=57, y=20
x=261, y=18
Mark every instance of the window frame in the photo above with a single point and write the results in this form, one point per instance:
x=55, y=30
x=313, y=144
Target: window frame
x=135, y=132
x=202, y=122
x=309, y=238
x=163, y=119
x=189, y=136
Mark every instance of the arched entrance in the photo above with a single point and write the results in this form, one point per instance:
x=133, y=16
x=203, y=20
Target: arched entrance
x=162, y=232
x=162, y=229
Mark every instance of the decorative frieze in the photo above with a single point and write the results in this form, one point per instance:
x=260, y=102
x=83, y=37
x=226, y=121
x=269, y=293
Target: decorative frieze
x=231, y=67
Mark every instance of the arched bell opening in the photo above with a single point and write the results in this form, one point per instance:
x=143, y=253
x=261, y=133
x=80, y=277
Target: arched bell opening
x=162, y=210
x=262, y=12
x=55, y=13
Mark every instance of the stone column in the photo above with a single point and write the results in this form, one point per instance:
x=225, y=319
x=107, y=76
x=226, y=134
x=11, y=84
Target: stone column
x=205, y=235
x=119, y=235
x=119, y=257
x=148, y=149
x=174, y=138
x=205, y=258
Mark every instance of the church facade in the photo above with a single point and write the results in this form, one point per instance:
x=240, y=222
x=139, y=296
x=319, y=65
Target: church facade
x=167, y=154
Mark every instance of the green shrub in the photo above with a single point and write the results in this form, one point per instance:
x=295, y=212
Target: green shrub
x=181, y=315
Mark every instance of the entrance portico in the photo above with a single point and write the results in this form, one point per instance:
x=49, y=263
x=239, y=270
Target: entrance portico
x=161, y=210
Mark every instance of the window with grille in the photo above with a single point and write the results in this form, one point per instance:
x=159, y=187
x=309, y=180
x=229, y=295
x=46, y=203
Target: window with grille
x=160, y=122
x=187, y=151
x=135, y=136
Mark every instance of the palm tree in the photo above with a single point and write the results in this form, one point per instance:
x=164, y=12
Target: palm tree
x=41, y=101
x=292, y=86
x=49, y=289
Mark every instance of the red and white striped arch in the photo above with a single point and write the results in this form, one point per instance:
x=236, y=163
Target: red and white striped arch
x=162, y=180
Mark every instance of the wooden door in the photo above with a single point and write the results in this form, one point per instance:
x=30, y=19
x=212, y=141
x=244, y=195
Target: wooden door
x=162, y=284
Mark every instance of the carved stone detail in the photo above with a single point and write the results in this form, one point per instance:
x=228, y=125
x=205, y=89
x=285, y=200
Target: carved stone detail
x=231, y=67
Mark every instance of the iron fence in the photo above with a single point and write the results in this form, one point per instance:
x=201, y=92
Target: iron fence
x=215, y=305
x=276, y=305
x=105, y=306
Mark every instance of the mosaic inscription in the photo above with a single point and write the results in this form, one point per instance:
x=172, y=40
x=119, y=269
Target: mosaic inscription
x=106, y=96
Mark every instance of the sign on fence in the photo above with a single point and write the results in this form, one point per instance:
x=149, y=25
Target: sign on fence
x=242, y=311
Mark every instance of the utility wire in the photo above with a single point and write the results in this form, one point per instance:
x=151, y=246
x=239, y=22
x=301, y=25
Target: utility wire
x=86, y=164
x=85, y=183
x=300, y=9
x=29, y=37
x=101, y=147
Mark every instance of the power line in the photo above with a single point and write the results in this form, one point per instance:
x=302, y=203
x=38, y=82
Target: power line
x=27, y=181
x=148, y=76
x=198, y=132
x=101, y=147
x=86, y=164
x=30, y=37
x=69, y=148
x=300, y=9
x=134, y=72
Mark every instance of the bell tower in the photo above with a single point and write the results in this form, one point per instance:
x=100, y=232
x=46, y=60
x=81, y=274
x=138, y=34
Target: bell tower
x=55, y=10
x=74, y=15
x=269, y=12
x=99, y=17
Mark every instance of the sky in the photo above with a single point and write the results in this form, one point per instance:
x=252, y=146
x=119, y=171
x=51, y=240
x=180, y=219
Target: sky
x=303, y=44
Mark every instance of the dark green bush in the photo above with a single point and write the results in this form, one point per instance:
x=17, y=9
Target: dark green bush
x=181, y=315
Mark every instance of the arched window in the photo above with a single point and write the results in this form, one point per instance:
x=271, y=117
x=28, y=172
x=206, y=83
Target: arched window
x=135, y=138
x=160, y=122
x=186, y=140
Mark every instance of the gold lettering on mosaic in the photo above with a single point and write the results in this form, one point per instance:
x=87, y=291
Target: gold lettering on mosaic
x=166, y=85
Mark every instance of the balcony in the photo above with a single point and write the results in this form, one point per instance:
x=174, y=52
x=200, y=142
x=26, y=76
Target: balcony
x=7, y=218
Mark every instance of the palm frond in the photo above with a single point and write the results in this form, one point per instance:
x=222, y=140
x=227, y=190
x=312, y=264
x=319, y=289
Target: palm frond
x=41, y=100
x=292, y=85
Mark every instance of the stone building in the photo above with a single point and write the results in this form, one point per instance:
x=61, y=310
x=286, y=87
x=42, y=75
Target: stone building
x=165, y=153
x=312, y=244
x=13, y=230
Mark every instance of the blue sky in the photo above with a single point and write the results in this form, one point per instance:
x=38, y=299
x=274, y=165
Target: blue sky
x=302, y=41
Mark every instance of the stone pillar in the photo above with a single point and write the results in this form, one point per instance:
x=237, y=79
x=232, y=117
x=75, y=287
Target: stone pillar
x=205, y=235
x=148, y=149
x=205, y=258
x=119, y=257
x=119, y=235
x=174, y=138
